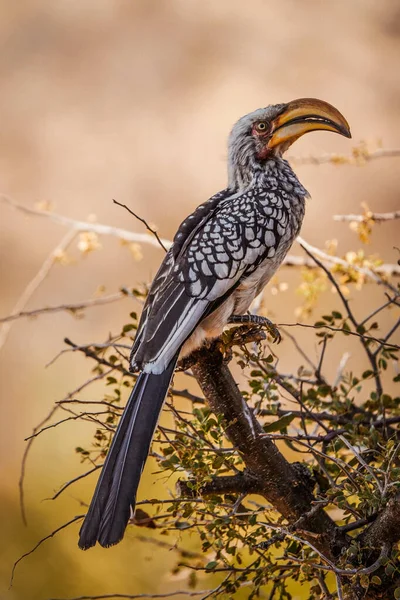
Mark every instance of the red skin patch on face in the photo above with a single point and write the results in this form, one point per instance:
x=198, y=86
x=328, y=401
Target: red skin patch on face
x=262, y=137
x=264, y=153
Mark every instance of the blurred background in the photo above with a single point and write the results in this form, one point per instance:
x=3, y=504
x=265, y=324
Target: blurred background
x=133, y=100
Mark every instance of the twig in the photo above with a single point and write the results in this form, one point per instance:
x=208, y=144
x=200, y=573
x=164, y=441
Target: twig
x=339, y=587
x=370, y=355
x=189, y=593
x=390, y=301
x=35, y=429
x=385, y=270
x=241, y=483
x=101, y=361
x=359, y=523
x=66, y=485
x=79, y=226
x=64, y=307
x=153, y=231
x=387, y=336
x=312, y=251
x=341, y=368
x=161, y=544
x=368, y=338
x=52, y=534
x=362, y=462
x=23, y=464
x=35, y=283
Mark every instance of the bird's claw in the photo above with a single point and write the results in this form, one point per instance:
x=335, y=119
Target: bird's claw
x=273, y=331
x=259, y=321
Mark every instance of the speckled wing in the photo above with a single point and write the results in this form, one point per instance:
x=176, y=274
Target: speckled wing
x=214, y=250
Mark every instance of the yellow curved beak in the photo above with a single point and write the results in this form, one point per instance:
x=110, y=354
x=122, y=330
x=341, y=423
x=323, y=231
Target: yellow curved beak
x=304, y=115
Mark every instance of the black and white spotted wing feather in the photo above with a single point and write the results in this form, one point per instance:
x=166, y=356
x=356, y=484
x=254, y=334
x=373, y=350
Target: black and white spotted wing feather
x=222, y=248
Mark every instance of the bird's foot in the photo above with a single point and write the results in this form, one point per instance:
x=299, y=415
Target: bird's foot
x=260, y=321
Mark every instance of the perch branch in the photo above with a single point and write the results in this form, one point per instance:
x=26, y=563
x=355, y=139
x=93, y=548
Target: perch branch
x=241, y=483
x=279, y=482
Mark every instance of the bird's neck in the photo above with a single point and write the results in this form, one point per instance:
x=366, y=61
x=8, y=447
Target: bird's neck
x=248, y=172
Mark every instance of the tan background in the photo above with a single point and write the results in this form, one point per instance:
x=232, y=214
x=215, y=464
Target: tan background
x=133, y=100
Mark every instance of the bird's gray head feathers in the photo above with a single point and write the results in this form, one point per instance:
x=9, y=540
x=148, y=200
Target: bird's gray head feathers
x=245, y=144
x=266, y=133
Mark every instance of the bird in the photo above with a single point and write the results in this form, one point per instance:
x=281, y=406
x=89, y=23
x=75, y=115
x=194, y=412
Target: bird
x=222, y=256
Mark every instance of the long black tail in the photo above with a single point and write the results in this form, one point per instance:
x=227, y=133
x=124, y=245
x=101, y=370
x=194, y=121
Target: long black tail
x=116, y=488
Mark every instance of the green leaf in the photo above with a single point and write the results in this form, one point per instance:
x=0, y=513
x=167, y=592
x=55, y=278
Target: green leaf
x=280, y=424
x=211, y=565
x=327, y=318
x=218, y=461
x=182, y=525
x=397, y=593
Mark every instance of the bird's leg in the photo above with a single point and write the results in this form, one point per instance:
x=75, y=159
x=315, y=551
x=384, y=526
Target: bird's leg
x=257, y=320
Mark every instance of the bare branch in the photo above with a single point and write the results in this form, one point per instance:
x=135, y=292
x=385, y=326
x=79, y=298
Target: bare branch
x=153, y=231
x=382, y=270
x=52, y=534
x=360, y=155
x=79, y=226
x=25, y=458
x=369, y=216
x=35, y=283
x=161, y=544
x=74, y=307
x=368, y=352
x=189, y=593
x=66, y=485
x=363, y=336
x=101, y=361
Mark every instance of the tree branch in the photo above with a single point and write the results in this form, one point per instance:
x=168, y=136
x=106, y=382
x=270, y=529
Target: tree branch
x=73, y=307
x=279, y=483
x=369, y=216
x=385, y=528
x=360, y=155
x=241, y=483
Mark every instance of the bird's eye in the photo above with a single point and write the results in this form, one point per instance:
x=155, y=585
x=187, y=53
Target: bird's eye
x=261, y=127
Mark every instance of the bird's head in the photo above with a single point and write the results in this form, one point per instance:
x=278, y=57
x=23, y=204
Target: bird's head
x=268, y=132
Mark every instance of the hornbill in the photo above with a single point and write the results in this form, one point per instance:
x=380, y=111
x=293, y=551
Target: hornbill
x=221, y=258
